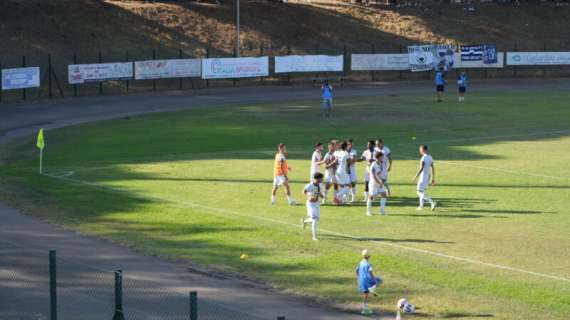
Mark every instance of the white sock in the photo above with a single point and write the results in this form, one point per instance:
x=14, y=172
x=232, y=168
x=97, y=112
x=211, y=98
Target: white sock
x=368, y=205
x=365, y=195
x=272, y=199
x=289, y=199
x=353, y=193
x=428, y=199
x=382, y=204
x=314, y=228
x=365, y=306
x=421, y=196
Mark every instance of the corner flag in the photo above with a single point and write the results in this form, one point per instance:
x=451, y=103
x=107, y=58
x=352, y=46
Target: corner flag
x=41, y=143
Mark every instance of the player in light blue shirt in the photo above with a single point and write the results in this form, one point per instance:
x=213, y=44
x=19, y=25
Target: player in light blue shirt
x=327, y=94
x=366, y=281
x=440, y=83
x=462, y=82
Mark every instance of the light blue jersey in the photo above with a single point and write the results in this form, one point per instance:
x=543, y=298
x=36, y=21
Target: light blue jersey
x=439, y=81
x=462, y=81
x=365, y=280
x=327, y=92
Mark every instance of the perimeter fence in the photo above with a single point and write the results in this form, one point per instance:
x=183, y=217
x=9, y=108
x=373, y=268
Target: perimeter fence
x=35, y=284
x=54, y=69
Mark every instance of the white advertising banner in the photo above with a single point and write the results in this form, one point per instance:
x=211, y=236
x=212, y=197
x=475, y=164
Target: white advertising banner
x=223, y=68
x=479, y=63
x=172, y=68
x=421, y=58
x=380, y=61
x=537, y=58
x=81, y=73
x=20, y=78
x=309, y=63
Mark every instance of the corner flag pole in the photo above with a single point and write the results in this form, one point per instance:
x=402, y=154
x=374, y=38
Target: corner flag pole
x=41, y=145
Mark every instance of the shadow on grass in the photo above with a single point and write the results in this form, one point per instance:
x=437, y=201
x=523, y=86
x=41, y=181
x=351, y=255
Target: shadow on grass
x=339, y=237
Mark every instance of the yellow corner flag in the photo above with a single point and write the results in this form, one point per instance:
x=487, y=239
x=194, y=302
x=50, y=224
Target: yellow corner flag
x=41, y=143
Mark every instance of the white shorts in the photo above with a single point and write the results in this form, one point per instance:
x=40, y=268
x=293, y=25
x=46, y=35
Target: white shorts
x=423, y=185
x=279, y=180
x=342, y=178
x=353, y=178
x=313, y=210
x=374, y=189
x=330, y=178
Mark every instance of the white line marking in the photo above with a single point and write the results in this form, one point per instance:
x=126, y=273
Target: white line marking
x=530, y=174
x=225, y=213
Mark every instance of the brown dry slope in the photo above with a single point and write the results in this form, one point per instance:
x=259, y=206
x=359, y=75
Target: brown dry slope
x=87, y=26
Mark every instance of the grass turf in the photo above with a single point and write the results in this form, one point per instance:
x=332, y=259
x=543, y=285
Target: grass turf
x=195, y=185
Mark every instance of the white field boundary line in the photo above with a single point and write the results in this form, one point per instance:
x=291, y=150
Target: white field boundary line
x=225, y=213
x=530, y=174
x=270, y=152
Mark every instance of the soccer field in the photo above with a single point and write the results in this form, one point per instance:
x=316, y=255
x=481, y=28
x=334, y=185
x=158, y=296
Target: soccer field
x=196, y=185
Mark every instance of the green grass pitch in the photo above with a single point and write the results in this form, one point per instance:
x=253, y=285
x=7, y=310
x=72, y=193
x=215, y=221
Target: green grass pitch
x=196, y=185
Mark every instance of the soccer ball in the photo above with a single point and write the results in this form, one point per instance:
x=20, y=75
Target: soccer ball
x=402, y=303
x=409, y=308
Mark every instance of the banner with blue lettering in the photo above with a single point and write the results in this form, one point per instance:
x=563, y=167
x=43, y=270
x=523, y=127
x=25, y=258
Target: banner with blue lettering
x=489, y=54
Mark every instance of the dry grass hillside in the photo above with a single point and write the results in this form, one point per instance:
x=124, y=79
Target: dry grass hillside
x=35, y=27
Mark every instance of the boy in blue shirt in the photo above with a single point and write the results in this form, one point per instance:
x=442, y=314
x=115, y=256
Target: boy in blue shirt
x=462, y=82
x=327, y=90
x=439, y=84
x=366, y=281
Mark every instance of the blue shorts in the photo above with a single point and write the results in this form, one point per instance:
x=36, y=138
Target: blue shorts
x=365, y=287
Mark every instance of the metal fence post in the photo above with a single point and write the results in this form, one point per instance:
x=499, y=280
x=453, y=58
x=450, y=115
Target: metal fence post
x=0, y=81
x=193, y=305
x=344, y=64
x=23, y=66
x=401, y=73
x=544, y=67
x=373, y=51
x=180, y=80
x=127, y=81
x=75, y=85
x=52, y=286
x=289, y=73
x=261, y=55
x=100, y=82
x=49, y=77
x=515, y=73
x=118, y=315
x=153, y=80
x=207, y=56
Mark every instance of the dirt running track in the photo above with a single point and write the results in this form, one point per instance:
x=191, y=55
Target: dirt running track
x=85, y=271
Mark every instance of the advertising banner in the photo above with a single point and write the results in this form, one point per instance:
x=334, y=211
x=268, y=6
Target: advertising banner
x=81, y=73
x=537, y=58
x=430, y=57
x=309, y=63
x=223, y=68
x=20, y=78
x=480, y=63
x=380, y=61
x=172, y=68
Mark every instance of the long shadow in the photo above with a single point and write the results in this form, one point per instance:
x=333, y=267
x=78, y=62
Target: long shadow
x=339, y=237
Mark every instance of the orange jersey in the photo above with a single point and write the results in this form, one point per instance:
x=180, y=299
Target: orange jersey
x=280, y=165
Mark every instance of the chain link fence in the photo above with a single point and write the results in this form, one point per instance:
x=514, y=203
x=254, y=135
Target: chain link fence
x=39, y=285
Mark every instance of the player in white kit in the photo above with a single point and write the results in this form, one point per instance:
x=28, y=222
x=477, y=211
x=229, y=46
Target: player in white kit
x=342, y=159
x=330, y=178
x=313, y=192
x=386, y=162
x=316, y=160
x=426, y=163
x=376, y=186
x=353, y=176
x=368, y=157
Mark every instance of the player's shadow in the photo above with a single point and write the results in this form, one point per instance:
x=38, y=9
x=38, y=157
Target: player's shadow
x=344, y=238
x=455, y=315
x=441, y=202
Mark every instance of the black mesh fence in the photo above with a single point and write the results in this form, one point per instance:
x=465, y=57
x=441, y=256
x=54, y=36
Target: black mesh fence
x=55, y=84
x=35, y=284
